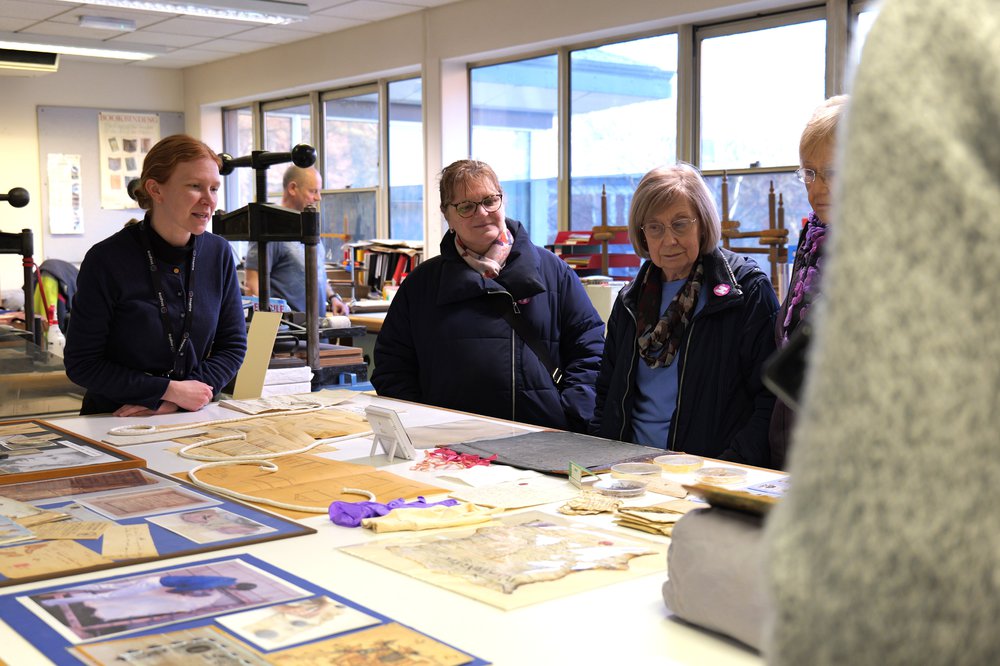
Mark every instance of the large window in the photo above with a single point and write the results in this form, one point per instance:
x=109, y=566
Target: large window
x=515, y=130
x=862, y=24
x=406, y=160
x=351, y=155
x=285, y=125
x=757, y=89
x=351, y=132
x=237, y=137
x=623, y=122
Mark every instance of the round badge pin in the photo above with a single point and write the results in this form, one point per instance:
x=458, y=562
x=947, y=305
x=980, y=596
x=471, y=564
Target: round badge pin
x=721, y=289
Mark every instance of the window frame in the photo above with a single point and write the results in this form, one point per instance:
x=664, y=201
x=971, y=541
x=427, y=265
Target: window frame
x=316, y=99
x=736, y=27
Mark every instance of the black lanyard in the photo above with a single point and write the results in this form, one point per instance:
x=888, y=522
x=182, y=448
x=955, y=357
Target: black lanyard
x=154, y=272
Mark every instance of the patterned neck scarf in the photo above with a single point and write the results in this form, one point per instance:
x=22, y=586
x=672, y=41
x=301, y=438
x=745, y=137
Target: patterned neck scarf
x=659, y=336
x=490, y=264
x=806, y=273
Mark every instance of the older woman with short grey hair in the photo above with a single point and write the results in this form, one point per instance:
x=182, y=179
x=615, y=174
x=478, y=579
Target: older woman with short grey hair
x=688, y=337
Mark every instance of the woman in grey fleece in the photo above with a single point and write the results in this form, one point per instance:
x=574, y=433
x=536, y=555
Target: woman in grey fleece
x=887, y=548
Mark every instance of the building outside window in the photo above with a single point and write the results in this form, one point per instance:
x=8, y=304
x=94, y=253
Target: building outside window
x=286, y=125
x=758, y=87
x=351, y=159
x=515, y=130
x=406, y=160
x=623, y=122
x=237, y=136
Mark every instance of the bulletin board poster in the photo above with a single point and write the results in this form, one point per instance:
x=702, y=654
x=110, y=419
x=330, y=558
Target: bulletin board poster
x=65, y=204
x=124, y=140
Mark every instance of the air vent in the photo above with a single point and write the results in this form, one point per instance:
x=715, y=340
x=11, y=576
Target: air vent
x=27, y=63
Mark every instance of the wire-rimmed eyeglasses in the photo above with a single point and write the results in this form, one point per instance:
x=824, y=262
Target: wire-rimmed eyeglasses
x=468, y=208
x=808, y=176
x=678, y=227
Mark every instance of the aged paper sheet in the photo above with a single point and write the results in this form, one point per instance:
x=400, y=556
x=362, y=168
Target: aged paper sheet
x=308, y=480
x=519, y=560
x=385, y=644
x=71, y=529
x=47, y=557
x=126, y=542
x=516, y=494
x=278, y=433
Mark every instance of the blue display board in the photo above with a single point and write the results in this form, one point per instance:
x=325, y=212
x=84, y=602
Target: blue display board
x=225, y=610
x=182, y=520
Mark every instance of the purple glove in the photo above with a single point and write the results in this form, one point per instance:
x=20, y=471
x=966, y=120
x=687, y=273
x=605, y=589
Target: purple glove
x=350, y=514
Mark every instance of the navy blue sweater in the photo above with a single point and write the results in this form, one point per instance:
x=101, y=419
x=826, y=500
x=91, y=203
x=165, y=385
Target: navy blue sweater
x=117, y=348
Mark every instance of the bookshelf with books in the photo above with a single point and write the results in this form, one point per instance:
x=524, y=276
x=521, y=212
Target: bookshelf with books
x=377, y=263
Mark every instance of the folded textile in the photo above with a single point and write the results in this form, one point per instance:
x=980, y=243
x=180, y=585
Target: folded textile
x=431, y=518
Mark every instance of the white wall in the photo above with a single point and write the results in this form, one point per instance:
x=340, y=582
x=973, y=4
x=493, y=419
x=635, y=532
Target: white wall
x=79, y=84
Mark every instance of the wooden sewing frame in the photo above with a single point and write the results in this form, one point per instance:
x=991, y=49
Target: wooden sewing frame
x=774, y=239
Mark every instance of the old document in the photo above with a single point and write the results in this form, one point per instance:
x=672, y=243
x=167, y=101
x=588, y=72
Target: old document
x=521, y=559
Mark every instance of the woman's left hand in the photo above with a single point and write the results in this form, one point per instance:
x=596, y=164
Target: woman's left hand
x=166, y=407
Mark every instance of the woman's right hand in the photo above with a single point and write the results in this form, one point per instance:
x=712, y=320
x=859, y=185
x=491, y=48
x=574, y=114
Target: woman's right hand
x=189, y=394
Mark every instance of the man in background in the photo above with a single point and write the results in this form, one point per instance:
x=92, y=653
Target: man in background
x=286, y=260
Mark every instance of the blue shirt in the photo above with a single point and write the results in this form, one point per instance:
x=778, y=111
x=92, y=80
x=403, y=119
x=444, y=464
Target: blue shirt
x=656, y=388
x=286, y=272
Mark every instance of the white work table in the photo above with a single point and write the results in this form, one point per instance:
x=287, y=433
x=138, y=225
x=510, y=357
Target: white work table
x=624, y=623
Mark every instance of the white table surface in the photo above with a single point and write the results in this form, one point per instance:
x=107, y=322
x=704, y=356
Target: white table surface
x=625, y=623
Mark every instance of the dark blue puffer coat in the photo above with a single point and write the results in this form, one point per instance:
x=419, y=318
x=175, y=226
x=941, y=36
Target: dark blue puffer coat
x=445, y=343
x=723, y=410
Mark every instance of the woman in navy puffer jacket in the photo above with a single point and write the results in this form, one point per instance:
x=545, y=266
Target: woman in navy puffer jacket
x=445, y=341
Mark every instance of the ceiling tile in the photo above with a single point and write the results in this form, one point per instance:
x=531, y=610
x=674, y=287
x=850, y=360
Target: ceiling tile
x=14, y=24
x=32, y=10
x=316, y=25
x=200, y=26
x=51, y=28
x=231, y=46
x=368, y=10
x=157, y=39
x=319, y=5
x=425, y=3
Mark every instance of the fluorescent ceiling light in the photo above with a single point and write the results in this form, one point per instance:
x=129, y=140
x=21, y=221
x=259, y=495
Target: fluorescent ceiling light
x=107, y=23
x=80, y=47
x=277, y=12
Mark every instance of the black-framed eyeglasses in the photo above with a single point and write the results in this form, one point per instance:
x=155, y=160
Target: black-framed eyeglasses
x=808, y=176
x=468, y=208
x=678, y=227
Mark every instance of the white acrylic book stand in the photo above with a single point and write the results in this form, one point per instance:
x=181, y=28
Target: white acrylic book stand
x=389, y=433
